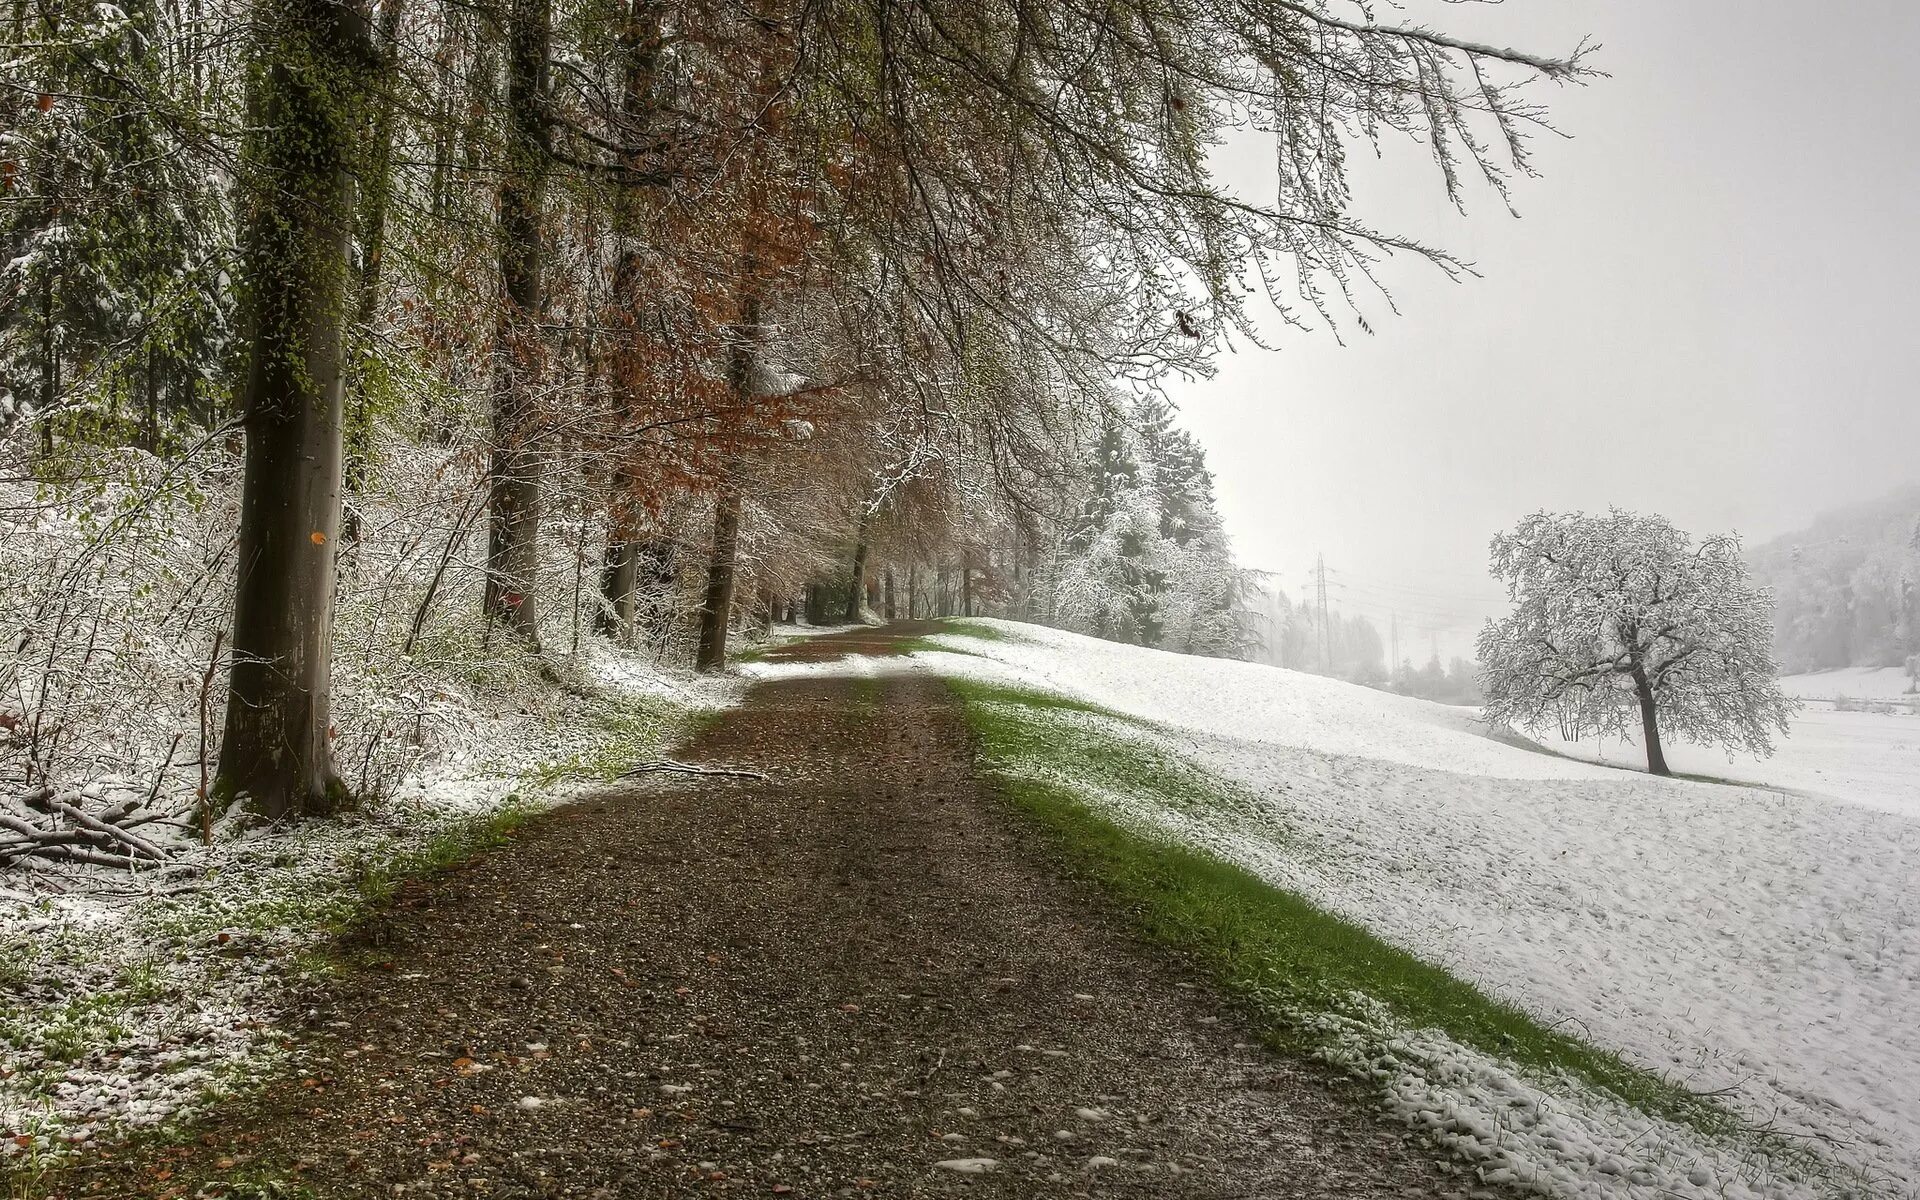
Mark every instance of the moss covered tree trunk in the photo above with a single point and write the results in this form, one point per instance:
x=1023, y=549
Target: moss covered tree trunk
x=313, y=67
x=513, y=535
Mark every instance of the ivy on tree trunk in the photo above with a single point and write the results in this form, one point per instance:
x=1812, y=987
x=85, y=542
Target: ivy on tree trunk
x=314, y=67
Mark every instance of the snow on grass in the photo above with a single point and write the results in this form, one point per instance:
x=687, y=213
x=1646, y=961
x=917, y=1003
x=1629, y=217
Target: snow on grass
x=134, y=1002
x=1870, y=759
x=1754, y=944
x=1858, y=683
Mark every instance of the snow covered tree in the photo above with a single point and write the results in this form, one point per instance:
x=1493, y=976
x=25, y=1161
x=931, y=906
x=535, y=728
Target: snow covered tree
x=1147, y=559
x=1624, y=616
x=114, y=310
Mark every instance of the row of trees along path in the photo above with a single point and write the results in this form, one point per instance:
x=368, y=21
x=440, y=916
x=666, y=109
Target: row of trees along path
x=684, y=240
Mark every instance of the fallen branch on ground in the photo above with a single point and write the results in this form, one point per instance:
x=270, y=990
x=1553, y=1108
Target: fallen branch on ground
x=71, y=833
x=667, y=764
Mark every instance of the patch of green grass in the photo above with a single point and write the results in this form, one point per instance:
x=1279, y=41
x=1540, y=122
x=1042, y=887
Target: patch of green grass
x=16, y=970
x=141, y=983
x=958, y=627
x=626, y=730
x=754, y=651
x=1286, y=958
x=256, y=1182
x=972, y=628
x=65, y=1032
x=448, y=848
x=1028, y=735
x=867, y=691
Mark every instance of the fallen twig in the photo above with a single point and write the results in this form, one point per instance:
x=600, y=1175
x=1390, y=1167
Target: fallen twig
x=132, y=841
x=667, y=764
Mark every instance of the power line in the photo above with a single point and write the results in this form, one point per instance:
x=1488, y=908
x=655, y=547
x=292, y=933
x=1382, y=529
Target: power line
x=1326, y=653
x=1487, y=597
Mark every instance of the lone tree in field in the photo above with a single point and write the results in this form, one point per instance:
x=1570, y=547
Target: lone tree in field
x=1622, y=616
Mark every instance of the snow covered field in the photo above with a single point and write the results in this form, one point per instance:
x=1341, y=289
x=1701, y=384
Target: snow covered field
x=1741, y=940
x=1860, y=683
x=1861, y=758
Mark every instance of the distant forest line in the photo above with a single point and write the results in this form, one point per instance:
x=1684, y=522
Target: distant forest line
x=1847, y=587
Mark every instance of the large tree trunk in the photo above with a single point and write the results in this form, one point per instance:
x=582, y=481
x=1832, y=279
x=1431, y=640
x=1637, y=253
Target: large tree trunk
x=742, y=365
x=376, y=193
x=816, y=605
x=640, y=46
x=619, y=573
x=718, y=605
x=315, y=62
x=513, y=542
x=889, y=593
x=857, y=584
x=620, y=570
x=1649, y=724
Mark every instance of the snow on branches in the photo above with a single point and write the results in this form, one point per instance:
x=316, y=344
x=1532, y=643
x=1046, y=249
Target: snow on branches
x=1623, y=620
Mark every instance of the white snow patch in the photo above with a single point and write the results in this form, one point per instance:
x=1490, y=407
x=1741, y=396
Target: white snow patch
x=1854, y=757
x=1731, y=938
x=1858, y=683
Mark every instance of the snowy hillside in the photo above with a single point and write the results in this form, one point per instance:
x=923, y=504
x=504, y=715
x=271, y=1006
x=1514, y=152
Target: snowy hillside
x=1737, y=940
x=1858, y=683
x=1870, y=759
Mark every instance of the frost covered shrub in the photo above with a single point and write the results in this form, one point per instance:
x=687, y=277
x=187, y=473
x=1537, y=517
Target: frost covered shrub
x=119, y=569
x=118, y=576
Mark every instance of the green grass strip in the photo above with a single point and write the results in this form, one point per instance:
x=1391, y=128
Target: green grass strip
x=1283, y=956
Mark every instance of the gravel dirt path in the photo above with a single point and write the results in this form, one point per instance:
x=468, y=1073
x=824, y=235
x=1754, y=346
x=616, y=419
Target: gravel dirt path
x=855, y=979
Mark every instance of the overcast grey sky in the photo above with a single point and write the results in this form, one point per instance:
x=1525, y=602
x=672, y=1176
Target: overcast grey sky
x=1706, y=309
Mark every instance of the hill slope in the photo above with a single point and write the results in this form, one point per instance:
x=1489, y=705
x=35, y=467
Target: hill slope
x=1702, y=930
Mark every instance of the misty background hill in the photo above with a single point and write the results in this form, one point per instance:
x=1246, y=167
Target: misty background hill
x=1847, y=587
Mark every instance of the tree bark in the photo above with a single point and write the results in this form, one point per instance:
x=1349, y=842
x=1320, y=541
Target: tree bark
x=889, y=593
x=640, y=46
x=718, y=606
x=857, y=583
x=620, y=570
x=618, y=573
x=513, y=541
x=376, y=193
x=966, y=587
x=316, y=67
x=1649, y=724
x=742, y=361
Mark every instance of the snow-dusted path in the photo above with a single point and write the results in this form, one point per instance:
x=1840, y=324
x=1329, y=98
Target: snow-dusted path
x=852, y=978
x=1736, y=938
